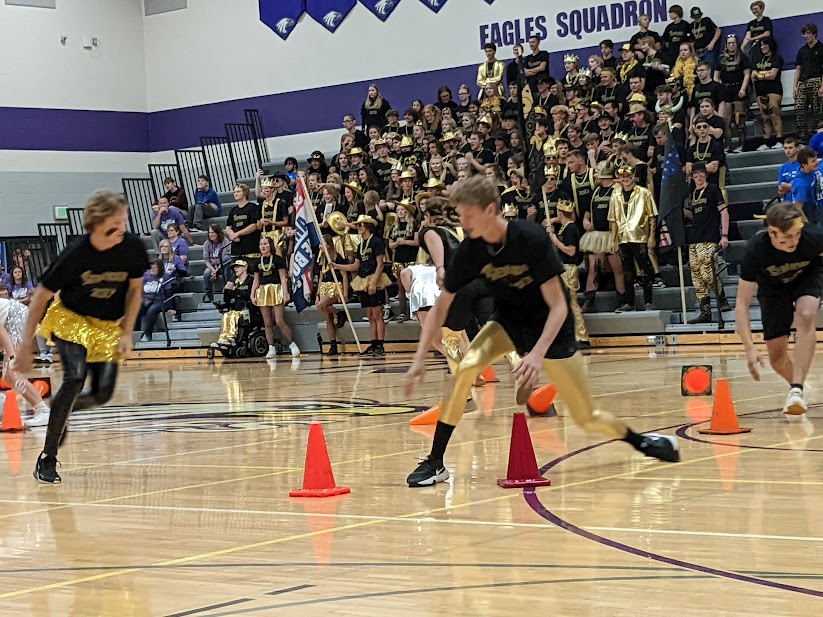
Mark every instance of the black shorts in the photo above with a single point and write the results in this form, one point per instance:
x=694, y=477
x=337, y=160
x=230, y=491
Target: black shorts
x=471, y=308
x=731, y=93
x=525, y=333
x=777, y=309
x=368, y=300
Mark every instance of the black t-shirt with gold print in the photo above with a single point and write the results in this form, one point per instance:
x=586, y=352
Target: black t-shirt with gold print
x=367, y=252
x=94, y=283
x=772, y=269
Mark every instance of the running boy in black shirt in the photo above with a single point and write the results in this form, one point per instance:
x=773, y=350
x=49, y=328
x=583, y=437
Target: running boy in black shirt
x=532, y=317
x=783, y=264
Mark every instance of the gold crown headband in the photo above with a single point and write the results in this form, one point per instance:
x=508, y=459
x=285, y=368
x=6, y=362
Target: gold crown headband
x=796, y=226
x=267, y=183
x=625, y=170
x=570, y=58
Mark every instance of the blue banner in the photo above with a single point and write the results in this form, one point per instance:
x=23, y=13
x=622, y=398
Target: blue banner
x=381, y=8
x=281, y=15
x=305, y=237
x=329, y=13
x=435, y=5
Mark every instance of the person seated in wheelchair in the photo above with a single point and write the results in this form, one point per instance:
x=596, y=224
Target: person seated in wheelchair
x=237, y=305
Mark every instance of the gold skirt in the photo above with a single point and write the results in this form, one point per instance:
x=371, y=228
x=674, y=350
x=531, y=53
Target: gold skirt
x=598, y=242
x=269, y=295
x=397, y=267
x=100, y=337
x=362, y=284
x=328, y=291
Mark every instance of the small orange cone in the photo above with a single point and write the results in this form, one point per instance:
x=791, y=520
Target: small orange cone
x=724, y=417
x=11, y=414
x=14, y=451
x=318, y=477
x=522, y=471
x=541, y=402
x=430, y=416
x=488, y=375
x=43, y=387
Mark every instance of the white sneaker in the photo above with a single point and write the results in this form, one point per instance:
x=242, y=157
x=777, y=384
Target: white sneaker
x=272, y=352
x=763, y=148
x=777, y=146
x=795, y=403
x=40, y=418
x=49, y=358
x=42, y=357
x=295, y=350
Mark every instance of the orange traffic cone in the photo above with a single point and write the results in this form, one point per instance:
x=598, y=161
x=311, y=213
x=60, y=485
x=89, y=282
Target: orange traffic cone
x=14, y=451
x=4, y=385
x=541, y=402
x=11, y=414
x=318, y=477
x=488, y=375
x=523, y=471
x=724, y=417
x=430, y=416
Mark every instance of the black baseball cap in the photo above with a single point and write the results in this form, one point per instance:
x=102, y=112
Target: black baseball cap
x=696, y=12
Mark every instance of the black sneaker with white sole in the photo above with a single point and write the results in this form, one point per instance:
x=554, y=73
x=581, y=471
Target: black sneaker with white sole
x=662, y=447
x=46, y=469
x=429, y=472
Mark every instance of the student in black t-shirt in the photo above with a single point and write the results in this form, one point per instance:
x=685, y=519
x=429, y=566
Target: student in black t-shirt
x=100, y=282
x=759, y=28
x=241, y=225
x=536, y=64
x=644, y=21
x=402, y=237
x=705, y=35
x=704, y=88
x=709, y=151
x=783, y=264
x=567, y=243
x=710, y=229
x=678, y=31
x=808, y=84
x=370, y=280
x=374, y=109
x=237, y=297
x=270, y=293
x=768, y=89
x=547, y=199
x=734, y=74
x=523, y=273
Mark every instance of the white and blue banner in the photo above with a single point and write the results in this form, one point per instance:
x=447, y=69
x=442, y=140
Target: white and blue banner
x=281, y=15
x=434, y=5
x=305, y=238
x=381, y=8
x=329, y=13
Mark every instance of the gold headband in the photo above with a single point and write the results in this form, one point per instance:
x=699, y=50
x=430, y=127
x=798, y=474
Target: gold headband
x=798, y=225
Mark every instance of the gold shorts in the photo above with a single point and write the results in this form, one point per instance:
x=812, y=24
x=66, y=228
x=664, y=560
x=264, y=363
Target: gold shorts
x=269, y=295
x=397, y=267
x=362, y=284
x=328, y=291
x=100, y=337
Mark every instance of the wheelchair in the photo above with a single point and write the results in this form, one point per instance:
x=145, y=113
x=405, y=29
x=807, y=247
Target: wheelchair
x=251, y=336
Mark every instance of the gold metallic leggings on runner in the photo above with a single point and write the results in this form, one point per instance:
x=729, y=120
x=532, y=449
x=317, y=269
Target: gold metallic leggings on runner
x=568, y=376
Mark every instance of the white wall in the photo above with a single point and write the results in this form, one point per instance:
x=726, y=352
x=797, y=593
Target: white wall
x=37, y=71
x=222, y=51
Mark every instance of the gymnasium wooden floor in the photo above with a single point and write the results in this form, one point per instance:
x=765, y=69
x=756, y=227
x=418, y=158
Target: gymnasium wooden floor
x=175, y=501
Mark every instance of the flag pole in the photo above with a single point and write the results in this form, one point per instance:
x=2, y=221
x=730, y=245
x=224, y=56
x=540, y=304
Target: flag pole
x=682, y=282
x=325, y=250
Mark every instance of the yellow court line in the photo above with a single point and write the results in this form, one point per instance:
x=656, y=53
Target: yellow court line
x=341, y=528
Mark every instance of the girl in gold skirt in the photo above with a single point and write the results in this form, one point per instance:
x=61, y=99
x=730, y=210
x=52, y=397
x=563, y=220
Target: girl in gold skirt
x=270, y=292
x=100, y=281
x=329, y=293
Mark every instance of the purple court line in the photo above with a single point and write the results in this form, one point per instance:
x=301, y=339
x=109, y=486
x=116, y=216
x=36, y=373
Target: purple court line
x=535, y=504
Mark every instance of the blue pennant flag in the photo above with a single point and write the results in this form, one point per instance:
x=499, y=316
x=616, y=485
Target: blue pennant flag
x=329, y=13
x=281, y=15
x=381, y=8
x=490, y=1
x=435, y=5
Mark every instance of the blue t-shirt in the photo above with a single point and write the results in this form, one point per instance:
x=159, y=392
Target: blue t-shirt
x=816, y=143
x=172, y=216
x=208, y=197
x=808, y=190
x=787, y=173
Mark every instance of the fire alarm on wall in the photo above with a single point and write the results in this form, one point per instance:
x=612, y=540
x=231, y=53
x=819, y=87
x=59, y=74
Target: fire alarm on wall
x=89, y=42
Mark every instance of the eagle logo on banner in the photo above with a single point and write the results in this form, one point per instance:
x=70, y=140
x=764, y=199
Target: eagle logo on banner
x=434, y=5
x=329, y=13
x=281, y=15
x=381, y=8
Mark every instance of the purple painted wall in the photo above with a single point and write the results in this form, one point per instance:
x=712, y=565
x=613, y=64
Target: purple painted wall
x=289, y=113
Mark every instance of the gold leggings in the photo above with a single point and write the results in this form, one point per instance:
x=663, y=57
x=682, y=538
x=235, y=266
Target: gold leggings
x=568, y=376
x=229, y=324
x=571, y=277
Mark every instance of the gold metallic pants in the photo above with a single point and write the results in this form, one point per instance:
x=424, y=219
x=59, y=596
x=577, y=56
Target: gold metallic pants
x=228, y=325
x=701, y=256
x=569, y=376
x=571, y=277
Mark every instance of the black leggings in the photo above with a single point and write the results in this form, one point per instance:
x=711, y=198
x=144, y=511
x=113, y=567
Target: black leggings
x=68, y=397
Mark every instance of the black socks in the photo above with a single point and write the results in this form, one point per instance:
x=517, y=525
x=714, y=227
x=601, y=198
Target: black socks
x=799, y=386
x=635, y=440
x=442, y=435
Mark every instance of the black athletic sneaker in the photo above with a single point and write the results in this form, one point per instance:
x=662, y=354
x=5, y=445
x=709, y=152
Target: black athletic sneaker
x=378, y=352
x=428, y=473
x=368, y=351
x=341, y=319
x=662, y=447
x=46, y=469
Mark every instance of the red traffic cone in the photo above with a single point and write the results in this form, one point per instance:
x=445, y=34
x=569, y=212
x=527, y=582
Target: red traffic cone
x=541, y=402
x=430, y=416
x=523, y=471
x=11, y=414
x=318, y=478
